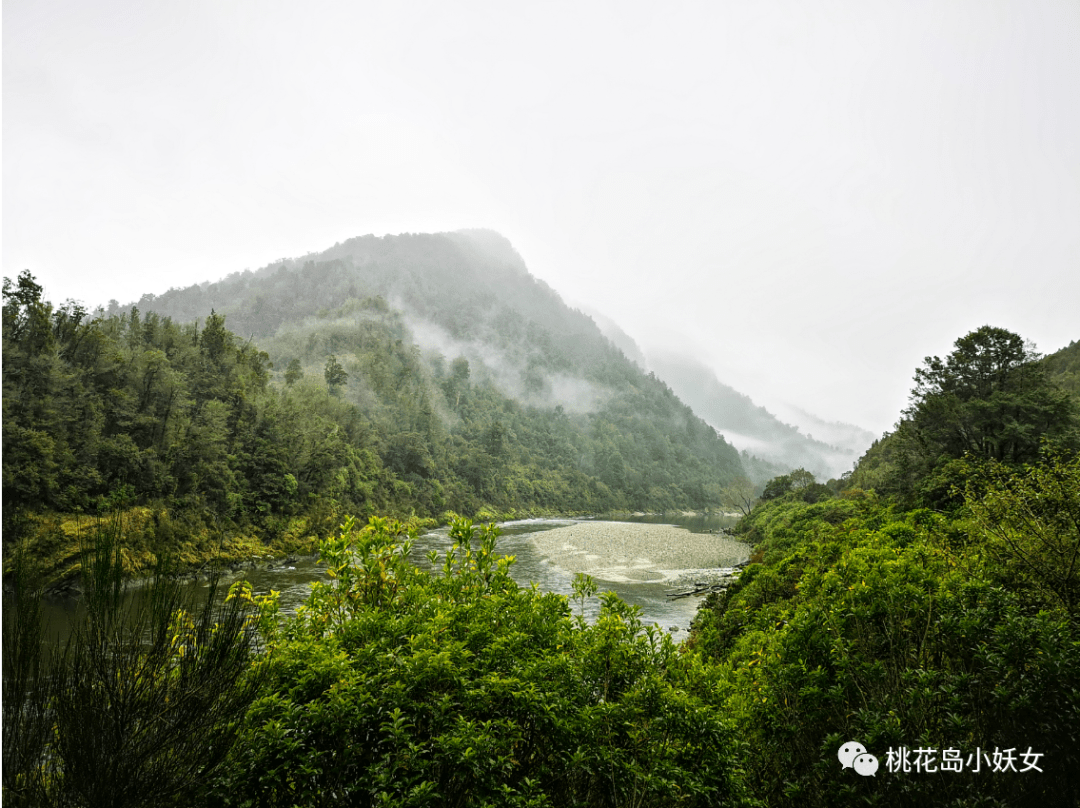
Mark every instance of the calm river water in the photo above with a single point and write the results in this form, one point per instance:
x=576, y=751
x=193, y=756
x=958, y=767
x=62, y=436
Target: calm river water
x=294, y=580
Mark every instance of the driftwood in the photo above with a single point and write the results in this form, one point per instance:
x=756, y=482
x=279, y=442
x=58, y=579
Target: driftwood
x=697, y=589
x=715, y=581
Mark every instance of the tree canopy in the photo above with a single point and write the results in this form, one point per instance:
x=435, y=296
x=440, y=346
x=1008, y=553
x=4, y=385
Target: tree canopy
x=192, y=422
x=990, y=399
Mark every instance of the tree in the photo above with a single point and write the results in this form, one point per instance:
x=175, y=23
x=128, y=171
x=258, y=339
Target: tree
x=990, y=397
x=24, y=309
x=739, y=494
x=215, y=339
x=335, y=374
x=988, y=400
x=801, y=482
x=293, y=373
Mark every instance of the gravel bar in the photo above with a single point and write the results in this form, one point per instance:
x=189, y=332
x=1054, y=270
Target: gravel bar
x=631, y=551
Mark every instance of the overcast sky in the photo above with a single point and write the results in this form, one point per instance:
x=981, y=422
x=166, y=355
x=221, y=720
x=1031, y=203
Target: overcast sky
x=809, y=196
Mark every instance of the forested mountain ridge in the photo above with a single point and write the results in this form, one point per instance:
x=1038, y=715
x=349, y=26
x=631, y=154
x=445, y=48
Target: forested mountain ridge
x=469, y=293
x=1064, y=368
x=407, y=375
x=455, y=289
x=754, y=428
x=454, y=310
x=460, y=294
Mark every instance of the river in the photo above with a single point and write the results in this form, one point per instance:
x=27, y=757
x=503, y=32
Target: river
x=293, y=580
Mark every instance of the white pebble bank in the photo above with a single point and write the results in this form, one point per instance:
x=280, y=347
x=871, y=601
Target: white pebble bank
x=630, y=551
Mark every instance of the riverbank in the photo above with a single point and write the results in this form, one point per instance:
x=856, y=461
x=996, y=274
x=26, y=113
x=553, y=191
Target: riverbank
x=641, y=552
x=56, y=543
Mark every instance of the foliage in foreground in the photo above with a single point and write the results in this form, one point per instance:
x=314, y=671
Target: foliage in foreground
x=139, y=706
x=909, y=629
x=395, y=686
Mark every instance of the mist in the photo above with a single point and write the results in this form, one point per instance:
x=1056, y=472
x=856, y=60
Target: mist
x=808, y=200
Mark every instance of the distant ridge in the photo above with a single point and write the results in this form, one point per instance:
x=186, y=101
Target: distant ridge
x=470, y=293
x=753, y=428
x=400, y=314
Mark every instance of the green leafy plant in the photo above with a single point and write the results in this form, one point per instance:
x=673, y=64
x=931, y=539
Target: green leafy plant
x=458, y=687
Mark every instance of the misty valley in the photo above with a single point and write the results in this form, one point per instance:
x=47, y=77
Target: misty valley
x=485, y=481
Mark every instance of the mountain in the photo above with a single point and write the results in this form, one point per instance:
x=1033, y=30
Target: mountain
x=474, y=384
x=460, y=294
x=470, y=294
x=754, y=429
x=769, y=445
x=1064, y=368
x=848, y=437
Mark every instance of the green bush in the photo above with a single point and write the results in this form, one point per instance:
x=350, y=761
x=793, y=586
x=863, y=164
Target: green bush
x=886, y=630
x=394, y=686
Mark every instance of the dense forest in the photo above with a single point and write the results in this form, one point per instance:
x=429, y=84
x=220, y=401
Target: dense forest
x=219, y=442
x=929, y=610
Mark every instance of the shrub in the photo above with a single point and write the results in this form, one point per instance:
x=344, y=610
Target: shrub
x=460, y=688
x=140, y=705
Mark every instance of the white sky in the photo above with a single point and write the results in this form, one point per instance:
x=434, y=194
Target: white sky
x=809, y=196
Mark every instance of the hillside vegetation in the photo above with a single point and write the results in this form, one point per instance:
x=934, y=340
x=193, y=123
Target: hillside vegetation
x=926, y=608
x=340, y=403
x=932, y=616
x=1064, y=368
